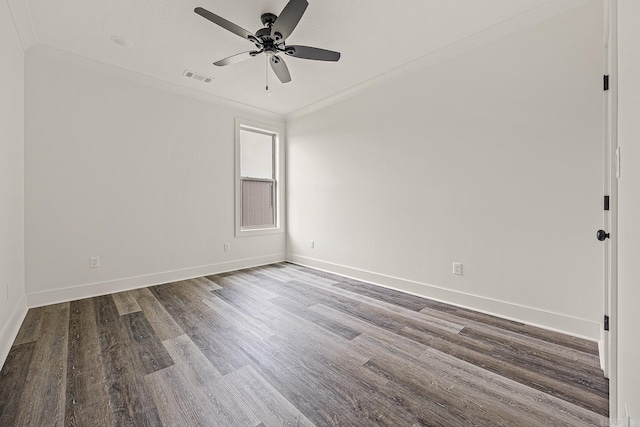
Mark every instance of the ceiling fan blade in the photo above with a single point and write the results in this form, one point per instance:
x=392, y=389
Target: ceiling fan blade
x=239, y=57
x=281, y=69
x=288, y=19
x=306, y=52
x=227, y=25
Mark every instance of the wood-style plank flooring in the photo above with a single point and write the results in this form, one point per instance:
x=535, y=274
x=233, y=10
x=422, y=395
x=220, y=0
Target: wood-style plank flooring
x=283, y=345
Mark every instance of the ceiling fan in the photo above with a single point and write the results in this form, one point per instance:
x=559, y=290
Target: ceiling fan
x=270, y=40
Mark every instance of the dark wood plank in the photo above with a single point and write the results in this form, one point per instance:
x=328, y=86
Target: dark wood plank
x=531, y=331
x=568, y=369
x=388, y=295
x=161, y=321
x=186, y=393
x=318, y=355
x=485, y=398
x=347, y=305
x=207, y=329
x=329, y=324
x=205, y=383
x=203, y=283
x=272, y=286
x=265, y=401
x=181, y=403
x=309, y=391
x=549, y=385
x=243, y=283
x=416, y=319
x=499, y=335
x=87, y=398
x=130, y=401
x=239, y=319
x=30, y=329
x=46, y=381
x=125, y=302
x=144, y=342
x=13, y=379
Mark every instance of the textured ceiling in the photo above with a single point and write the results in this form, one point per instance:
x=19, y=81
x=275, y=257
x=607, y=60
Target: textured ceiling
x=374, y=37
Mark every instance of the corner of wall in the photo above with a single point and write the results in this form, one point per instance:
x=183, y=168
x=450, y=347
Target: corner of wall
x=21, y=14
x=11, y=328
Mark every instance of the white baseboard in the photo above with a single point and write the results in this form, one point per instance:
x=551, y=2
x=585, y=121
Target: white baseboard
x=54, y=296
x=601, y=355
x=528, y=315
x=10, y=330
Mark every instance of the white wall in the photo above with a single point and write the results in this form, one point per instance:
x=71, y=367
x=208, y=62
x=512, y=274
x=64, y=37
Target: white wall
x=629, y=208
x=492, y=159
x=141, y=177
x=12, y=283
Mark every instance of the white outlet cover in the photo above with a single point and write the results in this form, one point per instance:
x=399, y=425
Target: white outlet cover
x=312, y=244
x=94, y=262
x=457, y=268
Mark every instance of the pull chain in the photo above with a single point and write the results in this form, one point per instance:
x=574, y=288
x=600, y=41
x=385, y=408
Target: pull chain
x=266, y=69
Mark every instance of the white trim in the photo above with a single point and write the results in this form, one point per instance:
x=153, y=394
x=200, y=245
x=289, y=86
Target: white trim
x=279, y=166
x=10, y=330
x=612, y=169
x=601, y=348
x=519, y=22
x=21, y=14
x=557, y=322
x=48, y=52
x=37, y=299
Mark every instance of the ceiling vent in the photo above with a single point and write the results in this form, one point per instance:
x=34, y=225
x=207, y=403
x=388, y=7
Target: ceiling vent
x=196, y=76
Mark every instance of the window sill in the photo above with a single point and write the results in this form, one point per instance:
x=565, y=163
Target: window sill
x=258, y=231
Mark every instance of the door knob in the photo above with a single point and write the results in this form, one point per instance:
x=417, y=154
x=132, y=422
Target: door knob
x=602, y=235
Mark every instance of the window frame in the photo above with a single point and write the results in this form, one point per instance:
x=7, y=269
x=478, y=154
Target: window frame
x=277, y=133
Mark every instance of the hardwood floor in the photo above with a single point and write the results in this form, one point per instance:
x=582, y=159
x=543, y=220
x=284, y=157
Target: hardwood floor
x=284, y=345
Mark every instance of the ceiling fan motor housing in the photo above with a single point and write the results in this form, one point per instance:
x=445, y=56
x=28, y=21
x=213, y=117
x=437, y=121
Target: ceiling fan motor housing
x=268, y=19
x=264, y=34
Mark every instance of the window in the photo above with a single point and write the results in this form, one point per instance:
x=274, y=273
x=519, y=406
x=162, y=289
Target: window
x=258, y=192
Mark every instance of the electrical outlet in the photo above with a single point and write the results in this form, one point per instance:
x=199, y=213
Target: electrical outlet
x=227, y=247
x=7, y=292
x=457, y=268
x=312, y=244
x=94, y=262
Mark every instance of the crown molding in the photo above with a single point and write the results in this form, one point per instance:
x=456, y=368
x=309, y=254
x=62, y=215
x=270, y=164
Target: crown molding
x=21, y=14
x=502, y=29
x=44, y=51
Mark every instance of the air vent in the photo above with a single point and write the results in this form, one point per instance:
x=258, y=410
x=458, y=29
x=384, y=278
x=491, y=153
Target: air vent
x=196, y=76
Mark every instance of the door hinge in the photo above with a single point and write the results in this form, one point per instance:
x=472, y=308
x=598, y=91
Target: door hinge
x=606, y=322
x=605, y=82
x=606, y=203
